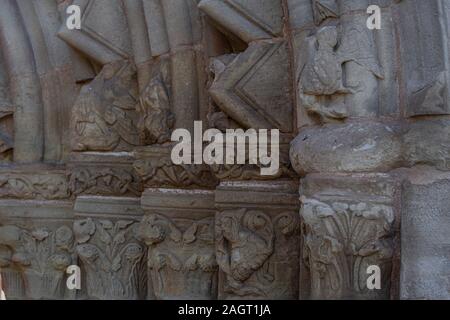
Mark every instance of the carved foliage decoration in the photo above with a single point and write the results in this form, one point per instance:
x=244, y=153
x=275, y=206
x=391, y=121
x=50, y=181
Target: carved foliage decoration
x=112, y=258
x=322, y=76
x=251, y=172
x=258, y=253
x=244, y=242
x=324, y=9
x=35, y=261
x=181, y=257
x=341, y=240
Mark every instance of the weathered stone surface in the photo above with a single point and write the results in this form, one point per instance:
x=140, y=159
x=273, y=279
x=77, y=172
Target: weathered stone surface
x=86, y=175
x=34, y=183
x=155, y=168
x=104, y=116
x=249, y=20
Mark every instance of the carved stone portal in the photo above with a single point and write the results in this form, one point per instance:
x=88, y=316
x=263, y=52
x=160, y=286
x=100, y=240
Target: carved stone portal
x=87, y=178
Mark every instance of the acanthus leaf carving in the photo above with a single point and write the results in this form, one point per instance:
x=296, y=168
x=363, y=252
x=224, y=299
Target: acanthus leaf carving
x=104, y=181
x=104, y=116
x=166, y=174
x=112, y=258
x=181, y=257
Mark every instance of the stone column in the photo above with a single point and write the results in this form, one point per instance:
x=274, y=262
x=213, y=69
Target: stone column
x=257, y=240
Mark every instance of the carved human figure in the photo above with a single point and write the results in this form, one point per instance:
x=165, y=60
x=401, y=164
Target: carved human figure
x=363, y=70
